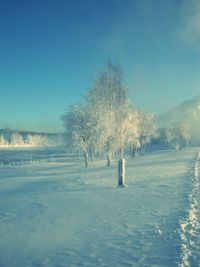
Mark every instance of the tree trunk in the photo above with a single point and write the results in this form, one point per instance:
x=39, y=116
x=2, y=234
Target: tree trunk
x=108, y=159
x=133, y=151
x=86, y=159
x=91, y=155
x=141, y=150
x=108, y=153
x=187, y=144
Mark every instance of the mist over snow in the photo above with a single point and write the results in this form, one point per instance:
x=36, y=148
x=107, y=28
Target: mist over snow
x=11, y=138
x=187, y=112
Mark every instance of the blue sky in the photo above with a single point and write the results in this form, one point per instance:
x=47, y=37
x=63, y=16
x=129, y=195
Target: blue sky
x=50, y=51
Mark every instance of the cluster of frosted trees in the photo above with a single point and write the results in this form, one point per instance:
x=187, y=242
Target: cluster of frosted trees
x=177, y=135
x=17, y=140
x=108, y=123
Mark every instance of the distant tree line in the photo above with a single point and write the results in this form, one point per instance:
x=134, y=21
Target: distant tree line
x=20, y=140
x=177, y=135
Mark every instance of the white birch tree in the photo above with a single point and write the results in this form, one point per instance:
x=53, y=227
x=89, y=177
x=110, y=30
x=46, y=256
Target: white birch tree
x=180, y=135
x=107, y=95
x=81, y=129
x=147, y=129
x=127, y=128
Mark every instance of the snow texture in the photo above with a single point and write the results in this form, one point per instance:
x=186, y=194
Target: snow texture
x=189, y=225
x=55, y=213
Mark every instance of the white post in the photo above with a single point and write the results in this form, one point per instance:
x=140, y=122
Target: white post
x=121, y=172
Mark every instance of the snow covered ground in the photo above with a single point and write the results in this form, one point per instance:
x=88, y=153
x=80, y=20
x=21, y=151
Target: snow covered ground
x=55, y=213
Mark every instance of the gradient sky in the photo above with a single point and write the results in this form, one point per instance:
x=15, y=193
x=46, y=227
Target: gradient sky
x=50, y=51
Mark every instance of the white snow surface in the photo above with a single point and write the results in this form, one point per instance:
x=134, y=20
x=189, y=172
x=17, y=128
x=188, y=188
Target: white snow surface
x=55, y=213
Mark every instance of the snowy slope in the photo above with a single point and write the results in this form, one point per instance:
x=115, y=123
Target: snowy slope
x=187, y=112
x=190, y=223
x=59, y=214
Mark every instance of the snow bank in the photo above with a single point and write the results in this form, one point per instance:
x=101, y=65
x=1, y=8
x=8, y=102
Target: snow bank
x=190, y=224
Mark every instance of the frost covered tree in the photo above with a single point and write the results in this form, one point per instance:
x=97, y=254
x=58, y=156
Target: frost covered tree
x=180, y=135
x=165, y=136
x=17, y=140
x=30, y=139
x=127, y=130
x=37, y=140
x=81, y=129
x=107, y=123
x=3, y=141
x=186, y=133
x=147, y=129
x=134, y=145
x=107, y=95
x=108, y=89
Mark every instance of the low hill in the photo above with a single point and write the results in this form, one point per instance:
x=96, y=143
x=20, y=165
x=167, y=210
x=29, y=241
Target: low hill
x=187, y=112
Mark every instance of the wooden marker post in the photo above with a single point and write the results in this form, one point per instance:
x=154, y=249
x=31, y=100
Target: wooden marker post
x=121, y=172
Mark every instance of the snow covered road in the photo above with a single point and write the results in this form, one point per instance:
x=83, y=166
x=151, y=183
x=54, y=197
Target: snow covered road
x=59, y=214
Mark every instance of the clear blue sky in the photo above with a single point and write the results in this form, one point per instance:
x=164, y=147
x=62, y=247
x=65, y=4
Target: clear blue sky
x=51, y=50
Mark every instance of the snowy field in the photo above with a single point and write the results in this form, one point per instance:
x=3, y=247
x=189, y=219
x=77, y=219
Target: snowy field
x=55, y=213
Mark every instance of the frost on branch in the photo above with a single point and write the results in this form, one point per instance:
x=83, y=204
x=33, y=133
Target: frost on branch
x=147, y=129
x=126, y=131
x=180, y=135
x=81, y=129
x=108, y=95
x=3, y=141
x=16, y=140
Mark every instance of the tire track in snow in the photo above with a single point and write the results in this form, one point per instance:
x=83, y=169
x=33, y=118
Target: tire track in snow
x=189, y=225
